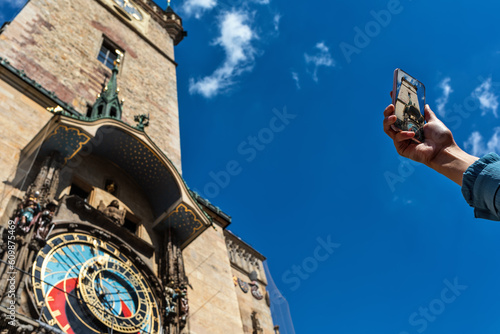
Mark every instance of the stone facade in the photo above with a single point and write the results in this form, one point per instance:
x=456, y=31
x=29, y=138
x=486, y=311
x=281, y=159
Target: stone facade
x=48, y=57
x=249, y=281
x=22, y=118
x=56, y=43
x=214, y=305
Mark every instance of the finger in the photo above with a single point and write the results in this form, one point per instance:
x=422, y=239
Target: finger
x=403, y=135
x=390, y=93
x=429, y=114
x=388, y=122
x=389, y=110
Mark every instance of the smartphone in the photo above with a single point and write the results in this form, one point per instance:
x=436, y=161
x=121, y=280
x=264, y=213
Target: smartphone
x=408, y=97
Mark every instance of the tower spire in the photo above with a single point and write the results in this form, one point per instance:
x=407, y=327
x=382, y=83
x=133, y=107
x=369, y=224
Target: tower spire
x=107, y=103
x=174, y=25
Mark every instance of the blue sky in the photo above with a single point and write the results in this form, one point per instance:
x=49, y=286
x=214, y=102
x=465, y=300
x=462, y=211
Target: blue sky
x=281, y=121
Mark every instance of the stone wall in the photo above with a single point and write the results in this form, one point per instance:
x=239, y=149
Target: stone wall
x=249, y=304
x=21, y=119
x=56, y=43
x=213, y=304
x=247, y=262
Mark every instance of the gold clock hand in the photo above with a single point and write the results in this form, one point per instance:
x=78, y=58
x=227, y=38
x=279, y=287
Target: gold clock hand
x=101, y=295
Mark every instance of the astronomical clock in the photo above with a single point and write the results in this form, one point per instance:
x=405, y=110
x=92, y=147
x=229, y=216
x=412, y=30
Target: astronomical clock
x=86, y=285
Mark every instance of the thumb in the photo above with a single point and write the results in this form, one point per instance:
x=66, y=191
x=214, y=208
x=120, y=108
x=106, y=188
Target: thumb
x=429, y=114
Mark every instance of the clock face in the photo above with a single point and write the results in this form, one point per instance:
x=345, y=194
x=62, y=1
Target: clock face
x=129, y=8
x=86, y=285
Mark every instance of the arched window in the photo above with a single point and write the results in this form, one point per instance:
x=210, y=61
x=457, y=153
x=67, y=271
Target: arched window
x=99, y=111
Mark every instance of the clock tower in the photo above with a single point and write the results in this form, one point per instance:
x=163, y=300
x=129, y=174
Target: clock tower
x=99, y=231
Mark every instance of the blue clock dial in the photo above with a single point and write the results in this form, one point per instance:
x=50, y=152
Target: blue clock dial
x=86, y=285
x=130, y=9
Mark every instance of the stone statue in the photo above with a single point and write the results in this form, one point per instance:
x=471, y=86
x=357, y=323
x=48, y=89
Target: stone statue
x=113, y=212
x=111, y=187
x=257, y=329
x=184, y=306
x=171, y=297
x=176, y=291
x=45, y=224
x=27, y=213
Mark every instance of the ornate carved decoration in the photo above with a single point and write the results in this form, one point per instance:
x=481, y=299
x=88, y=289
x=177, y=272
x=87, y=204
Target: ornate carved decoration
x=253, y=286
x=100, y=234
x=243, y=256
x=243, y=285
x=176, y=284
x=142, y=120
x=255, y=290
x=72, y=226
x=45, y=185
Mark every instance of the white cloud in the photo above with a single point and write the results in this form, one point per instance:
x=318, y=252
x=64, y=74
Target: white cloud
x=262, y=2
x=295, y=77
x=321, y=58
x=198, y=7
x=235, y=38
x=476, y=146
x=488, y=101
x=276, y=21
x=443, y=99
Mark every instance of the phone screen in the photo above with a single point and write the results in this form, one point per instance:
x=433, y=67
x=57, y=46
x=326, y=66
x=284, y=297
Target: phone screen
x=409, y=102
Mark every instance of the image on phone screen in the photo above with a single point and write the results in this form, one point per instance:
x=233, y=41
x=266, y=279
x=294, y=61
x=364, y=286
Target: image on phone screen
x=409, y=103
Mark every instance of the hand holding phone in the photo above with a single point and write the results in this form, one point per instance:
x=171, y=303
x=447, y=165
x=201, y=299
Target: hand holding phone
x=408, y=98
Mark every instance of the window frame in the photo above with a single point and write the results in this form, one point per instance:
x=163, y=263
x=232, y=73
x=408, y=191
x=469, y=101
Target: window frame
x=110, y=47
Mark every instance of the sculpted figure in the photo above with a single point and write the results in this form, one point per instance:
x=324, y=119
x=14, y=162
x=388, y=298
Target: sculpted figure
x=113, y=212
x=45, y=223
x=257, y=329
x=171, y=297
x=28, y=213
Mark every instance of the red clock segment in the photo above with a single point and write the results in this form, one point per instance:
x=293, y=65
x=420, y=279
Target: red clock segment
x=57, y=302
x=124, y=310
x=86, y=285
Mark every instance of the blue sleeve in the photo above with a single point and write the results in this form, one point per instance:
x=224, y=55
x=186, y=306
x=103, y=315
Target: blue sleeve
x=480, y=185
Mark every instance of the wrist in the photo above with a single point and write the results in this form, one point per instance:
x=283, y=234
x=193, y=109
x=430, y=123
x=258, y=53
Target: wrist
x=452, y=162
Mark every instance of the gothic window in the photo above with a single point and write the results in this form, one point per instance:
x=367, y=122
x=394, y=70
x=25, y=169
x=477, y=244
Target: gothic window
x=99, y=110
x=89, y=110
x=107, y=55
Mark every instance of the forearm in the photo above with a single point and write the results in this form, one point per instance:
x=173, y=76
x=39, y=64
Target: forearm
x=481, y=185
x=452, y=162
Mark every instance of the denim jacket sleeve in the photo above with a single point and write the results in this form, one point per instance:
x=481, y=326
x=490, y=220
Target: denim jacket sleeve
x=480, y=187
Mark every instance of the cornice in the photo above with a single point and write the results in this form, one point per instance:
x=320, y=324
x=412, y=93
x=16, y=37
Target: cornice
x=242, y=244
